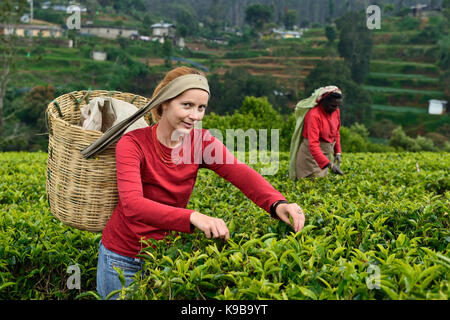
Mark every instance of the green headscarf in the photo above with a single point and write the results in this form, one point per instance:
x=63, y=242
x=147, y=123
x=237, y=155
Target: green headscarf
x=301, y=109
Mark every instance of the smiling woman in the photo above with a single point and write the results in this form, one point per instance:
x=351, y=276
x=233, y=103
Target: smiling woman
x=181, y=113
x=154, y=187
x=172, y=75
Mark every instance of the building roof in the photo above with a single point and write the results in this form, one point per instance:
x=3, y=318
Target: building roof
x=31, y=26
x=437, y=101
x=419, y=6
x=107, y=27
x=287, y=32
x=161, y=25
x=44, y=23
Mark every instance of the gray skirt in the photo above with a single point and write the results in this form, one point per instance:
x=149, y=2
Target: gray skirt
x=306, y=166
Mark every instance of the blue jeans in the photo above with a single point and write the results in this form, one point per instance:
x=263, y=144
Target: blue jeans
x=107, y=277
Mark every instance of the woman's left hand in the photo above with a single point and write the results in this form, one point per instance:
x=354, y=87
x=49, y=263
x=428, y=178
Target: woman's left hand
x=293, y=210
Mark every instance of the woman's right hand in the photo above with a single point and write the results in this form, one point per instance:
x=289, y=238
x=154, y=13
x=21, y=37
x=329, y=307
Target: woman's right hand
x=212, y=227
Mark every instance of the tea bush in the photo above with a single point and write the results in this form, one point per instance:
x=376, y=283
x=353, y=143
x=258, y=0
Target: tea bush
x=389, y=213
x=35, y=248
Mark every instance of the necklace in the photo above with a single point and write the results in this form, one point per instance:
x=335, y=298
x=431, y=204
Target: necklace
x=166, y=159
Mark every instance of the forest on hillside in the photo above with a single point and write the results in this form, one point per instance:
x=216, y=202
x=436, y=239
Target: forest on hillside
x=232, y=12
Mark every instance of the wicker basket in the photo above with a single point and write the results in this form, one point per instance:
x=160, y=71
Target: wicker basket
x=81, y=192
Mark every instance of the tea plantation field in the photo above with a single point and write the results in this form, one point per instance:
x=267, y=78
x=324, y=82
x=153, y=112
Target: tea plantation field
x=379, y=232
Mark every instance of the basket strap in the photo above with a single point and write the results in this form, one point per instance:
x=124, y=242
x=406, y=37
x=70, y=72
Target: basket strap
x=77, y=101
x=134, y=98
x=47, y=122
x=87, y=96
x=58, y=108
x=47, y=116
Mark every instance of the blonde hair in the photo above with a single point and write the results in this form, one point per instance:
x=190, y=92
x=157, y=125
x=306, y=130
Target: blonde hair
x=156, y=112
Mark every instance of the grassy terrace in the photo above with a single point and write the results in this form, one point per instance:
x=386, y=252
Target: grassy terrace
x=402, y=97
x=404, y=67
x=404, y=91
x=405, y=63
x=397, y=37
x=402, y=76
x=406, y=52
x=414, y=81
x=378, y=107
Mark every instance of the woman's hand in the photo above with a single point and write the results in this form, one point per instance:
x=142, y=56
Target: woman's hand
x=293, y=210
x=336, y=169
x=212, y=227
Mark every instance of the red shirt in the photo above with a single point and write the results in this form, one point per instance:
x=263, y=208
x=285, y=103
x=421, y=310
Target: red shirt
x=322, y=126
x=153, y=197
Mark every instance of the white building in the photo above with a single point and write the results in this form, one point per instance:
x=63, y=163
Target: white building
x=424, y=10
x=287, y=34
x=437, y=106
x=180, y=43
x=109, y=32
x=31, y=30
x=58, y=7
x=162, y=30
x=98, y=55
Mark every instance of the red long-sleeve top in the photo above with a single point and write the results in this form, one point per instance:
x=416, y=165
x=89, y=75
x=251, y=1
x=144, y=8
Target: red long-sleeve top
x=153, y=197
x=322, y=126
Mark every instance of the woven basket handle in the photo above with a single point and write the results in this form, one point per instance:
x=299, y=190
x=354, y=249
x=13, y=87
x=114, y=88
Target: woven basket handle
x=58, y=108
x=78, y=101
x=47, y=115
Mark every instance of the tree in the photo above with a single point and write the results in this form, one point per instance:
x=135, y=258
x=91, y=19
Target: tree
x=331, y=6
x=446, y=9
x=167, y=50
x=257, y=15
x=444, y=52
x=444, y=48
x=237, y=83
x=214, y=17
x=388, y=9
x=382, y=129
x=260, y=108
x=186, y=19
x=290, y=18
x=10, y=13
x=305, y=23
x=444, y=79
x=33, y=111
x=330, y=33
x=399, y=139
x=355, y=44
x=25, y=122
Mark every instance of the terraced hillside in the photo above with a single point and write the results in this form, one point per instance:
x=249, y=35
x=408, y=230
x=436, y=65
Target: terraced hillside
x=403, y=75
x=403, y=72
x=288, y=60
